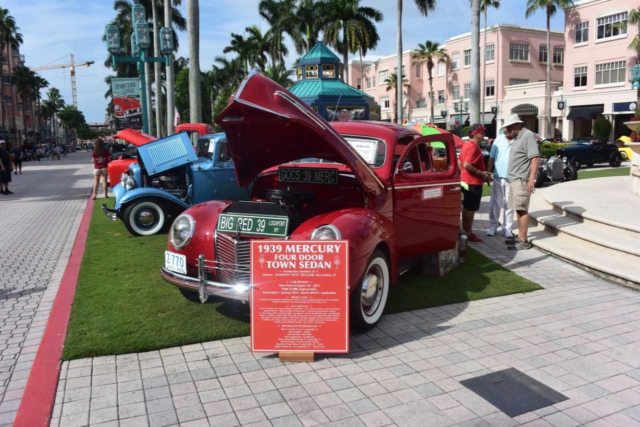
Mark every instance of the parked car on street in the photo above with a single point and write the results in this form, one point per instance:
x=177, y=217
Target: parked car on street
x=169, y=177
x=589, y=151
x=380, y=186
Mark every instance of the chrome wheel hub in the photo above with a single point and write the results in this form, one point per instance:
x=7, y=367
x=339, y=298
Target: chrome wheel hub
x=372, y=288
x=146, y=218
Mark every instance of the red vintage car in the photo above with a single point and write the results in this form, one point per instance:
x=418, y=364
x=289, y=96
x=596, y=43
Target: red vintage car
x=380, y=186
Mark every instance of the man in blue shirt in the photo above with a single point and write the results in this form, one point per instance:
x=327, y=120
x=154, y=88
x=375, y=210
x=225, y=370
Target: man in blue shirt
x=499, y=157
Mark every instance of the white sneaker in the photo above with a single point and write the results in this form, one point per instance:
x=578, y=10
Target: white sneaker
x=491, y=232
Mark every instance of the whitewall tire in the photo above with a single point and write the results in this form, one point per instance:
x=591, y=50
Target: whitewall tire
x=369, y=299
x=144, y=218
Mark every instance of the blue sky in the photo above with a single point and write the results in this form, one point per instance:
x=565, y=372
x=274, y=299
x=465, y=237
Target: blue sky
x=55, y=28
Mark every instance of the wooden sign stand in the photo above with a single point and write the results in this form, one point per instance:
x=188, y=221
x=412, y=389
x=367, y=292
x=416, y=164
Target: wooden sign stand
x=296, y=356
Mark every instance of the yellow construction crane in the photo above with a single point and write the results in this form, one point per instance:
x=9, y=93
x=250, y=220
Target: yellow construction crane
x=71, y=66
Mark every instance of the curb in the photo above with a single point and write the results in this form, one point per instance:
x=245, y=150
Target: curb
x=39, y=397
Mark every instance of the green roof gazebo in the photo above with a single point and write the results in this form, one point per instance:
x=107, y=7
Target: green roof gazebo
x=319, y=84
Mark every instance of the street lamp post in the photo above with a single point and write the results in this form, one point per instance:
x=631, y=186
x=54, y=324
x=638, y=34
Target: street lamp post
x=140, y=42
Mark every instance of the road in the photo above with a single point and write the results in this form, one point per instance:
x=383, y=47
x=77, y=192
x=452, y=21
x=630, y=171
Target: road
x=39, y=226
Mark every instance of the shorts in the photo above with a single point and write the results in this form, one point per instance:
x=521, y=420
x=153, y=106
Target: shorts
x=5, y=177
x=519, y=197
x=472, y=198
x=100, y=172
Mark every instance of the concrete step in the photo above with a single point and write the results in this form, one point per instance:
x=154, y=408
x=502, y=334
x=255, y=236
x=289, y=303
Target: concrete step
x=572, y=224
x=614, y=265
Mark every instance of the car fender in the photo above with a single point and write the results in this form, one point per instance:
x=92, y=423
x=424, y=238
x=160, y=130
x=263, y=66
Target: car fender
x=205, y=215
x=365, y=230
x=136, y=173
x=138, y=193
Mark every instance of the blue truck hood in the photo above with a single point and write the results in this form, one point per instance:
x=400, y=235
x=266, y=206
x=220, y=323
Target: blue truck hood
x=167, y=153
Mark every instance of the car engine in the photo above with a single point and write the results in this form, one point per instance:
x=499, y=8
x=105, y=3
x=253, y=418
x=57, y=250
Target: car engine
x=173, y=183
x=552, y=168
x=291, y=200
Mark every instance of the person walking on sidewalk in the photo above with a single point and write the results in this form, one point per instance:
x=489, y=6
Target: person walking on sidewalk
x=474, y=175
x=499, y=163
x=101, y=159
x=17, y=160
x=524, y=159
x=5, y=168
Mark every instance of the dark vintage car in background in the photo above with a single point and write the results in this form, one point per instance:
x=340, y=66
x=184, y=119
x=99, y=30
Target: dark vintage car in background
x=589, y=151
x=384, y=189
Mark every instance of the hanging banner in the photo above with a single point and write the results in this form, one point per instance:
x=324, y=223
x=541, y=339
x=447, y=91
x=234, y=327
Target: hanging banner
x=126, y=103
x=300, y=296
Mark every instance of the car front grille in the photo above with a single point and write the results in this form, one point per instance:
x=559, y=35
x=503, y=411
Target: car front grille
x=233, y=259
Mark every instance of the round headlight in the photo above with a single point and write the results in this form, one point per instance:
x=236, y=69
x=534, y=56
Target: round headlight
x=326, y=232
x=123, y=178
x=129, y=183
x=564, y=159
x=182, y=231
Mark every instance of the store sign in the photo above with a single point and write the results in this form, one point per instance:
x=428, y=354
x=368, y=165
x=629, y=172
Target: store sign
x=299, y=296
x=624, y=107
x=126, y=103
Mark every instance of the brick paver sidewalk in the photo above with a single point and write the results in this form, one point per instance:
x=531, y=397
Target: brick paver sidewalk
x=580, y=336
x=39, y=226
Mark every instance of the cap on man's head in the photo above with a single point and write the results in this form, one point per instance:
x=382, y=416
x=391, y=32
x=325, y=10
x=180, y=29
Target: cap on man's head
x=511, y=120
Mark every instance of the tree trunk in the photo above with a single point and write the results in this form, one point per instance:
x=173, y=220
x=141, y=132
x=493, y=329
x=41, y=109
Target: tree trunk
x=308, y=38
x=345, y=56
x=547, y=90
x=433, y=107
x=475, y=63
x=399, y=72
x=362, y=84
x=193, y=31
x=158, y=70
x=484, y=66
x=171, y=100
x=12, y=89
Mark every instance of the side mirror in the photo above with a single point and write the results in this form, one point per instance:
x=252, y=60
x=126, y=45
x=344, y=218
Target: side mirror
x=407, y=167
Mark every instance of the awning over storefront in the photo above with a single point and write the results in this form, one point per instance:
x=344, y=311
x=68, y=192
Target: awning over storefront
x=585, y=112
x=455, y=119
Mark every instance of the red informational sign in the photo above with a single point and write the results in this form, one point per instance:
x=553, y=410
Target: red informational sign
x=299, y=298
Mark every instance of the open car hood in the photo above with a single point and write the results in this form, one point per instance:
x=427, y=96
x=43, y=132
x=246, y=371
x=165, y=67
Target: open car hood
x=201, y=128
x=167, y=153
x=134, y=137
x=267, y=126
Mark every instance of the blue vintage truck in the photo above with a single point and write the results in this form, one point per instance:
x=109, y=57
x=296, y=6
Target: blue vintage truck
x=171, y=176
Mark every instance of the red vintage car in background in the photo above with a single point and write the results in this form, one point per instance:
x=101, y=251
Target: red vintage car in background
x=380, y=186
x=137, y=138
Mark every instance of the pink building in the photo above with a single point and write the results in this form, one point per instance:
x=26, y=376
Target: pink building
x=515, y=56
x=25, y=126
x=597, y=63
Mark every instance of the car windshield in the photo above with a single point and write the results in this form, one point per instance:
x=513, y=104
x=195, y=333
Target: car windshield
x=581, y=141
x=205, y=148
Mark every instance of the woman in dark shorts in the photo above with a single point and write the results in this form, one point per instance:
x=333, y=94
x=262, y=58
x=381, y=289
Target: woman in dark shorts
x=474, y=175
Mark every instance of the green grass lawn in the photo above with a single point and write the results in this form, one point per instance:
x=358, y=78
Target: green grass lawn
x=123, y=306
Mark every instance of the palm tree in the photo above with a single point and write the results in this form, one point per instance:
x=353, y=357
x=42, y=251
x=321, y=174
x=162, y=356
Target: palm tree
x=474, y=112
x=310, y=21
x=430, y=53
x=392, y=85
x=11, y=39
x=260, y=45
x=550, y=7
x=280, y=74
x=243, y=48
x=55, y=104
x=348, y=17
x=484, y=6
x=39, y=84
x=424, y=6
x=193, y=31
x=71, y=119
x=280, y=14
x=364, y=39
x=24, y=81
x=634, y=19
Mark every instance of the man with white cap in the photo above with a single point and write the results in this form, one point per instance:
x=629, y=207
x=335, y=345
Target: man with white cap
x=524, y=158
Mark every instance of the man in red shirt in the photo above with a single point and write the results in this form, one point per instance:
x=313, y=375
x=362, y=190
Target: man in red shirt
x=474, y=175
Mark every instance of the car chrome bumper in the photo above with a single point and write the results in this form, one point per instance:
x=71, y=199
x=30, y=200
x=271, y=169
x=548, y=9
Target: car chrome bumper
x=110, y=213
x=205, y=287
